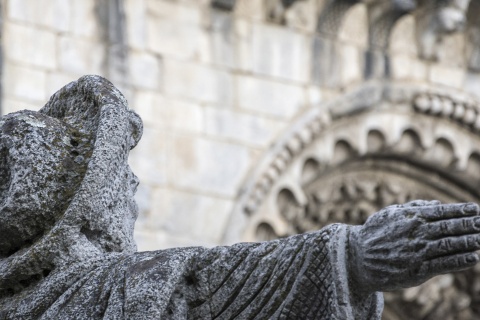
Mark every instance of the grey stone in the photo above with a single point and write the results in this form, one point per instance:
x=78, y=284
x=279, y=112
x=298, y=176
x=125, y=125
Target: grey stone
x=67, y=250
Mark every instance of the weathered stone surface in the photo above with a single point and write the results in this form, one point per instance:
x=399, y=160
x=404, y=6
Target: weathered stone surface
x=232, y=52
x=66, y=235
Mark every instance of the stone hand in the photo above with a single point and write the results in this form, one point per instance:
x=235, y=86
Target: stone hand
x=404, y=245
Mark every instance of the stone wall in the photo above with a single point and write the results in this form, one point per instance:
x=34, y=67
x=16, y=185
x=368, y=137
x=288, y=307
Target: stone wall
x=219, y=82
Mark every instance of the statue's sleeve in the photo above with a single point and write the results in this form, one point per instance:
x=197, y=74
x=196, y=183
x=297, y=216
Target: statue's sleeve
x=300, y=277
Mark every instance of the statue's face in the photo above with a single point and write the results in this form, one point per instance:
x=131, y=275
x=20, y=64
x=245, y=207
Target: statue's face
x=40, y=169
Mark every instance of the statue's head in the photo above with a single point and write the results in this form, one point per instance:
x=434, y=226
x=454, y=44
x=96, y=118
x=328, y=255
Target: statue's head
x=452, y=17
x=64, y=169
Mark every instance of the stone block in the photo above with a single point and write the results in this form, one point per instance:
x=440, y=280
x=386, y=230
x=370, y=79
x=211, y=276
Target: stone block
x=81, y=56
x=189, y=215
x=149, y=159
x=25, y=83
x=145, y=70
x=84, y=21
x=206, y=166
x=405, y=67
x=179, y=40
x=315, y=95
x=53, y=14
x=175, y=11
x=403, y=39
x=269, y=97
x=243, y=44
x=160, y=112
x=451, y=52
x=280, y=52
x=136, y=18
x=249, y=129
x=197, y=82
x=472, y=84
x=326, y=63
x=251, y=9
x=223, y=39
x=352, y=64
x=30, y=46
x=452, y=77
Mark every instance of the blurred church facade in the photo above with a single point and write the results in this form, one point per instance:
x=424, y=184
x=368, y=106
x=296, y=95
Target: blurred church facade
x=265, y=118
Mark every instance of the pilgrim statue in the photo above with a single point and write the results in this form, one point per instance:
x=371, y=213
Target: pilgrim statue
x=67, y=213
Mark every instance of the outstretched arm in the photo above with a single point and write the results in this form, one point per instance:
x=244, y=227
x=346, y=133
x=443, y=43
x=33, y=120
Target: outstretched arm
x=300, y=277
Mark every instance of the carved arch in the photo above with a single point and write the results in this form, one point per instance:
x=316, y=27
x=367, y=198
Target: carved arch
x=327, y=49
x=383, y=15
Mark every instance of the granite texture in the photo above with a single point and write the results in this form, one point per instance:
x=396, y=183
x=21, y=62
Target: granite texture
x=67, y=214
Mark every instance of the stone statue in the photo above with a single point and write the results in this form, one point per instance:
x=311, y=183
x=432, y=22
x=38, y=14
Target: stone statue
x=67, y=250
x=438, y=19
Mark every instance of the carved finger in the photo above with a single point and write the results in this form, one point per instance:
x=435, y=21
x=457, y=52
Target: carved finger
x=452, y=227
x=448, y=264
x=421, y=203
x=448, y=211
x=452, y=245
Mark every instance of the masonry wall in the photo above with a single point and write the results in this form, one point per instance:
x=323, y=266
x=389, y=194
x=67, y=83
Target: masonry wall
x=214, y=87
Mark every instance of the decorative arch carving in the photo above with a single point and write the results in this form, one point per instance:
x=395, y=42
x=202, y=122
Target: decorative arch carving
x=375, y=146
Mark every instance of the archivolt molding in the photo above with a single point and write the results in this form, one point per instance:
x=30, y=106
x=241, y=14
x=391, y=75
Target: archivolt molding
x=426, y=126
x=465, y=113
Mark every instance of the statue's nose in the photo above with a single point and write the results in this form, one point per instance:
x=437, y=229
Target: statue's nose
x=134, y=181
